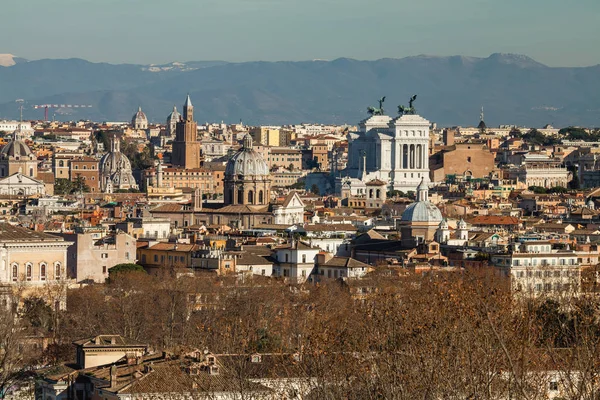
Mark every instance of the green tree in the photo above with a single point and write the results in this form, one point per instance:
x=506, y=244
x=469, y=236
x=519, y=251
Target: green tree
x=79, y=185
x=37, y=312
x=315, y=189
x=558, y=189
x=538, y=189
x=124, y=268
x=63, y=186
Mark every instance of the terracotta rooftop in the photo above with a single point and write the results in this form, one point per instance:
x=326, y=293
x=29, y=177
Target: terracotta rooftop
x=10, y=233
x=181, y=247
x=493, y=220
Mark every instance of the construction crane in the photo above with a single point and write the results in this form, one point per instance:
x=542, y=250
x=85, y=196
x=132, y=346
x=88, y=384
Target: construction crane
x=47, y=106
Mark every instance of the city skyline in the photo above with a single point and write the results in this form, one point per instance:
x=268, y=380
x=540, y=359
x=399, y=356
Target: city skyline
x=141, y=32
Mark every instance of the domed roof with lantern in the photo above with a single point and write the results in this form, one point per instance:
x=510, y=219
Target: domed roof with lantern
x=246, y=162
x=115, y=169
x=422, y=210
x=174, y=116
x=16, y=149
x=139, y=120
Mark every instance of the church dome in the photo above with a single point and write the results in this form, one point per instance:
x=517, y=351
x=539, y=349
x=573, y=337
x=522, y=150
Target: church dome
x=139, y=120
x=115, y=168
x=422, y=210
x=246, y=162
x=16, y=149
x=113, y=162
x=174, y=116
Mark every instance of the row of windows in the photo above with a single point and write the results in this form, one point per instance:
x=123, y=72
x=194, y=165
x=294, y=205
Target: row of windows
x=29, y=271
x=548, y=287
x=562, y=261
x=547, y=274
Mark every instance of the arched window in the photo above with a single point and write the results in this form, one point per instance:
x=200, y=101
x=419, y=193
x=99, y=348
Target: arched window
x=28, y=271
x=85, y=167
x=370, y=193
x=61, y=163
x=31, y=172
x=260, y=196
x=15, y=272
x=57, y=270
x=240, y=197
x=378, y=193
x=251, y=197
x=43, y=271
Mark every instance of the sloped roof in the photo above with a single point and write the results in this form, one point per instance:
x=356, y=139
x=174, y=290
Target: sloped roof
x=107, y=341
x=346, y=262
x=376, y=182
x=493, y=220
x=11, y=233
x=181, y=247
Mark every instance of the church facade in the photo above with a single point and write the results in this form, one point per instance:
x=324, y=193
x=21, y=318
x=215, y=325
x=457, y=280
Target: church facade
x=395, y=151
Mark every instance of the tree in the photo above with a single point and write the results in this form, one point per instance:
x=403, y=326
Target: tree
x=79, y=185
x=538, y=189
x=12, y=359
x=558, y=189
x=37, y=313
x=315, y=189
x=124, y=268
x=63, y=186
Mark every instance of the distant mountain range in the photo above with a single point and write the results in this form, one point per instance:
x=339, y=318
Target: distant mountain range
x=513, y=89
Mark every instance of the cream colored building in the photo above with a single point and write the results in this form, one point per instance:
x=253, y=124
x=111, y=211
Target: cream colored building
x=32, y=260
x=106, y=349
x=266, y=135
x=536, y=269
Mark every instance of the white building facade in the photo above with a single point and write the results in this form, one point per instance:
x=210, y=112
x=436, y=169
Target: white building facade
x=536, y=269
x=395, y=151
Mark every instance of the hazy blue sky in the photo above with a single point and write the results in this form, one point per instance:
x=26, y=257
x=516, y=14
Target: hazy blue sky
x=554, y=32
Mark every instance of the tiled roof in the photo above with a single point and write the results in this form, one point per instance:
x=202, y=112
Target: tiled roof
x=346, y=262
x=10, y=233
x=168, y=208
x=493, y=220
x=247, y=258
x=181, y=247
x=107, y=341
x=171, y=377
x=330, y=228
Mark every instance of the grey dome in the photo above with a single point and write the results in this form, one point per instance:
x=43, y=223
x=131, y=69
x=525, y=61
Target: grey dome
x=16, y=148
x=115, y=168
x=246, y=162
x=422, y=211
x=139, y=118
x=114, y=161
x=174, y=116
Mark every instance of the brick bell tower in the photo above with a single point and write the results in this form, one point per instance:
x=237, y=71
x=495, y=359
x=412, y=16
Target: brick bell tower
x=186, y=148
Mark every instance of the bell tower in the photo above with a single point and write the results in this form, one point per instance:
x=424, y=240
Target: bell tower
x=186, y=148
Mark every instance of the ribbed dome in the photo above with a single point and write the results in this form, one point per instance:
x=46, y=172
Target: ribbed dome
x=114, y=161
x=16, y=148
x=174, y=116
x=422, y=211
x=139, y=118
x=246, y=162
x=115, y=168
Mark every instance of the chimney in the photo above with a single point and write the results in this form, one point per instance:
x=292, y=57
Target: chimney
x=113, y=376
x=113, y=340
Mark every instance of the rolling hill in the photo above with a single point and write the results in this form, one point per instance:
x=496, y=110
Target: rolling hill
x=513, y=89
